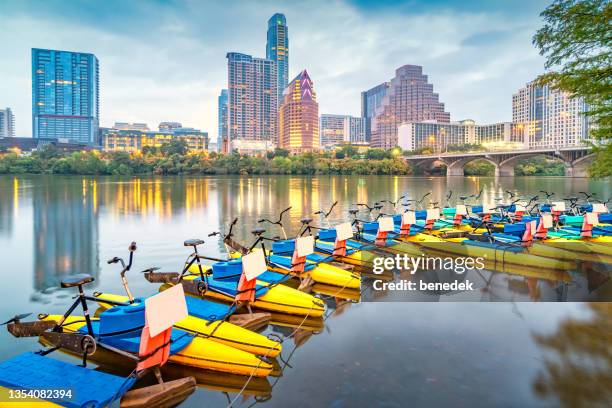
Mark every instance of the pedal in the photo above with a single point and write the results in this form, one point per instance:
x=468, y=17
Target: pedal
x=75, y=342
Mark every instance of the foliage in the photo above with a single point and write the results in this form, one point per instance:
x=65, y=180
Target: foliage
x=479, y=168
x=539, y=166
x=576, y=41
x=167, y=160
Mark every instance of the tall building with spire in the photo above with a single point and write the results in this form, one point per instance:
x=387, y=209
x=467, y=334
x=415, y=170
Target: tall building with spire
x=408, y=98
x=277, y=49
x=252, y=103
x=299, y=116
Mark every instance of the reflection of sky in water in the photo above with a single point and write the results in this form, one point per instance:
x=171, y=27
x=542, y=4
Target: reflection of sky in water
x=434, y=354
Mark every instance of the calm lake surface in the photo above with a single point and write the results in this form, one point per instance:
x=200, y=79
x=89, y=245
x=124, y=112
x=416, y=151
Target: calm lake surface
x=512, y=354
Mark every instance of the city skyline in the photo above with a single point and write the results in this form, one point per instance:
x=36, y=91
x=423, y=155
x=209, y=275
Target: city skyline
x=467, y=50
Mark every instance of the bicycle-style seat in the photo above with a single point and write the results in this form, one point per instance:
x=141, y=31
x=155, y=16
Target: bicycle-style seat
x=193, y=242
x=258, y=231
x=76, y=280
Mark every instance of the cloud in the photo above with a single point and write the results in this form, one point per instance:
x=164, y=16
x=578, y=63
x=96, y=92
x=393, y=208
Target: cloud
x=166, y=60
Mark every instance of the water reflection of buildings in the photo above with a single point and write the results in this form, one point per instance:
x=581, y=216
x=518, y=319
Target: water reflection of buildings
x=161, y=198
x=65, y=230
x=9, y=203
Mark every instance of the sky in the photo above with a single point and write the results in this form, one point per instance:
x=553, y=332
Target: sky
x=165, y=60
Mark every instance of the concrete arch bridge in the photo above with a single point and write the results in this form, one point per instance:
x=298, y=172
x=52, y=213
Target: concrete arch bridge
x=576, y=160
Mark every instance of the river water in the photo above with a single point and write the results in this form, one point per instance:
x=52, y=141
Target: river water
x=366, y=354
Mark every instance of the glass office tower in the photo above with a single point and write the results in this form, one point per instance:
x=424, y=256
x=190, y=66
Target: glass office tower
x=277, y=49
x=65, y=95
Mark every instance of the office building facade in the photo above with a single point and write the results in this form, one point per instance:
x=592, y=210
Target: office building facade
x=337, y=130
x=252, y=103
x=133, y=141
x=277, y=50
x=438, y=136
x=65, y=95
x=299, y=116
x=222, y=118
x=370, y=100
x=409, y=98
x=551, y=118
x=7, y=123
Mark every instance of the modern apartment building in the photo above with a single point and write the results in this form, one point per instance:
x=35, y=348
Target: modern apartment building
x=277, y=50
x=252, y=103
x=65, y=95
x=133, y=141
x=551, y=118
x=438, y=136
x=299, y=116
x=370, y=100
x=7, y=123
x=336, y=130
x=222, y=134
x=409, y=98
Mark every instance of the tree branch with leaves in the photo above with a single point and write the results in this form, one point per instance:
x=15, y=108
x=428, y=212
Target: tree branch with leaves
x=576, y=41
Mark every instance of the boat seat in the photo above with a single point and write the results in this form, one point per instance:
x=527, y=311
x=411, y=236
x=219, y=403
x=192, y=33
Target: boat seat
x=306, y=220
x=76, y=280
x=193, y=242
x=91, y=388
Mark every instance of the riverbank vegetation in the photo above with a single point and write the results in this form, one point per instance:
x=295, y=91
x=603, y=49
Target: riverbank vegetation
x=173, y=159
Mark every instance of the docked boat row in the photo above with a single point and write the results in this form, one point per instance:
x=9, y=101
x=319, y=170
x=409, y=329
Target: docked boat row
x=209, y=317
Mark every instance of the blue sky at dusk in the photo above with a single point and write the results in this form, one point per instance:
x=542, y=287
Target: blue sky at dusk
x=165, y=60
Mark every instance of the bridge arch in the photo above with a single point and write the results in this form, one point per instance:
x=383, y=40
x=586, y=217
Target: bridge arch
x=457, y=167
x=506, y=166
x=579, y=167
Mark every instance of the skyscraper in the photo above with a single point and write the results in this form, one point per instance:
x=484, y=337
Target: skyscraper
x=252, y=103
x=551, y=118
x=222, y=141
x=409, y=98
x=65, y=95
x=7, y=123
x=370, y=100
x=299, y=116
x=277, y=49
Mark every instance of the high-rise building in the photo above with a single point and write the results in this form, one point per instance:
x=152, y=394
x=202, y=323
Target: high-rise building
x=357, y=130
x=65, y=95
x=299, y=116
x=277, y=50
x=252, y=103
x=551, y=118
x=7, y=123
x=370, y=100
x=336, y=130
x=409, y=98
x=222, y=139
x=169, y=126
x=332, y=130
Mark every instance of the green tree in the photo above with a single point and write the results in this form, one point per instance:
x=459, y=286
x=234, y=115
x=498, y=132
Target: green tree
x=174, y=147
x=576, y=41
